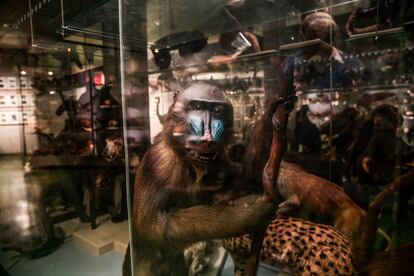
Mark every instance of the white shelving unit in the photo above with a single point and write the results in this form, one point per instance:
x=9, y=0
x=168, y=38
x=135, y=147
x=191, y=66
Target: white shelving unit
x=17, y=115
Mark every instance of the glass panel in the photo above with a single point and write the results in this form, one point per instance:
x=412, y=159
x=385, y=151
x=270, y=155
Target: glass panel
x=380, y=37
x=62, y=169
x=352, y=77
x=97, y=21
x=155, y=133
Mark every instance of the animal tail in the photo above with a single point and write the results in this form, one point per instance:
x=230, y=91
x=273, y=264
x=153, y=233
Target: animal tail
x=386, y=237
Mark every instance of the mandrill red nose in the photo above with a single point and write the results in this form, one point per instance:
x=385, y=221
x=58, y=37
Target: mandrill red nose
x=207, y=139
x=207, y=136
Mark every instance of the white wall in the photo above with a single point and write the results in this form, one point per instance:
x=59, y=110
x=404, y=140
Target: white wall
x=10, y=141
x=15, y=110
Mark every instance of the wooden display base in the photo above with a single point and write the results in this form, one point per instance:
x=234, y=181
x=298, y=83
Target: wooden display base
x=107, y=237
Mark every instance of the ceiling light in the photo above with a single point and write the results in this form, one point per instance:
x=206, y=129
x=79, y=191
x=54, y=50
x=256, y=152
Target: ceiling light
x=50, y=73
x=24, y=73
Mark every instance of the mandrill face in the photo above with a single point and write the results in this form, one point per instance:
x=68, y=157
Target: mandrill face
x=207, y=121
x=207, y=124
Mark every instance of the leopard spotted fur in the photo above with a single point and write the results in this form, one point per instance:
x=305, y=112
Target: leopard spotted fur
x=304, y=247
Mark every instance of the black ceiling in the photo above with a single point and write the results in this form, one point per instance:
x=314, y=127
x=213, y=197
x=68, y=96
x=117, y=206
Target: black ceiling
x=46, y=18
x=15, y=29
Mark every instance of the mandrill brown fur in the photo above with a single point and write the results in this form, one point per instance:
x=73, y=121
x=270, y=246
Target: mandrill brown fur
x=181, y=181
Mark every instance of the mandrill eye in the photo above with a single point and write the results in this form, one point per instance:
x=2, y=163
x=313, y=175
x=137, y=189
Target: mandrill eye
x=195, y=106
x=218, y=110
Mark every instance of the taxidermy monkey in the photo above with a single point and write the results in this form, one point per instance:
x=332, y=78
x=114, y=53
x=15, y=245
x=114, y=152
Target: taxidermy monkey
x=274, y=124
x=328, y=201
x=324, y=198
x=183, y=173
x=308, y=248
x=296, y=188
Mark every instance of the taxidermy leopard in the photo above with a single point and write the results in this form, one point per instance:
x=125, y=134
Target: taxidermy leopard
x=304, y=247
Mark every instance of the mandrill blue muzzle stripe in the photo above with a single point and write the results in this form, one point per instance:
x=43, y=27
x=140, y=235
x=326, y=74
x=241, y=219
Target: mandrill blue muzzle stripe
x=195, y=127
x=201, y=128
x=217, y=129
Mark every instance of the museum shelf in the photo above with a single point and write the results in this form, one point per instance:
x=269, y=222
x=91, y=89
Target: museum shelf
x=162, y=20
x=242, y=63
x=377, y=34
x=98, y=22
x=394, y=38
x=317, y=43
x=354, y=89
x=408, y=25
x=305, y=49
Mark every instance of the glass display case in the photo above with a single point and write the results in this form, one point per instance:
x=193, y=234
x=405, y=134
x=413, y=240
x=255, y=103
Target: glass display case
x=347, y=149
x=62, y=167
x=219, y=137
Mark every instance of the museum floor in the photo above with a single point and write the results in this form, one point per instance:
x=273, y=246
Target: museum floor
x=69, y=259
x=73, y=257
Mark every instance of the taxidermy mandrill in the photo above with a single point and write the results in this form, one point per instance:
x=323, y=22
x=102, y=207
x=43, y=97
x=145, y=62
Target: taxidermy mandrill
x=181, y=181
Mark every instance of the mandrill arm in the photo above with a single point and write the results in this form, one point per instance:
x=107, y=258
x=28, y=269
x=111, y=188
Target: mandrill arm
x=212, y=222
x=165, y=215
x=182, y=227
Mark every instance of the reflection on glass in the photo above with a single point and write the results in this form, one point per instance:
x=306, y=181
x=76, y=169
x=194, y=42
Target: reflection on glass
x=279, y=131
